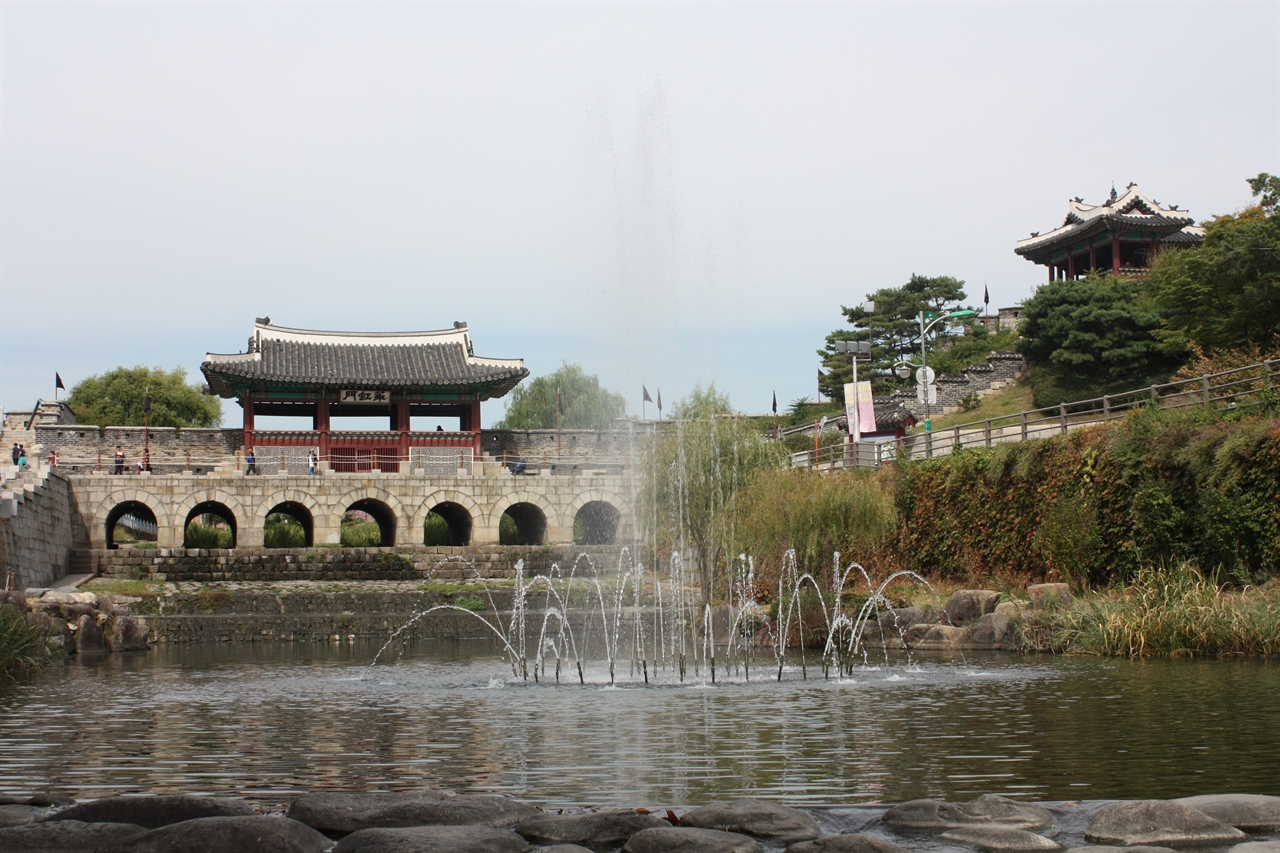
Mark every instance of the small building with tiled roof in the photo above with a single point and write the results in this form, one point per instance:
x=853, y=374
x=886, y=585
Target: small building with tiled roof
x=1120, y=236
x=324, y=374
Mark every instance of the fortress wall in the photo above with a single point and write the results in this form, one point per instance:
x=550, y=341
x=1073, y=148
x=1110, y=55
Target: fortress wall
x=79, y=446
x=36, y=520
x=536, y=444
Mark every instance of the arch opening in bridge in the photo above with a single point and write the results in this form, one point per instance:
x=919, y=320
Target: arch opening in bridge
x=596, y=524
x=137, y=524
x=209, y=525
x=288, y=525
x=522, y=524
x=448, y=523
x=358, y=521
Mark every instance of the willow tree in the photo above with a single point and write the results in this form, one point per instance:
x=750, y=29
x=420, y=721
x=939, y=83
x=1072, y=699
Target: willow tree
x=690, y=470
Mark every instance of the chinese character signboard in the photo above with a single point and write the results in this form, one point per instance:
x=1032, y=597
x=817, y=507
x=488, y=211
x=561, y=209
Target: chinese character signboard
x=349, y=395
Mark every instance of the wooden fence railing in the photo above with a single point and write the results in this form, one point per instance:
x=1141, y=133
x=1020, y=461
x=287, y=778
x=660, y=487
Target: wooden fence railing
x=1243, y=386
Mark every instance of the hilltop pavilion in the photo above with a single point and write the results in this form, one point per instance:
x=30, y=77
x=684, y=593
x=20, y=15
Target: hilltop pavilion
x=397, y=375
x=1120, y=236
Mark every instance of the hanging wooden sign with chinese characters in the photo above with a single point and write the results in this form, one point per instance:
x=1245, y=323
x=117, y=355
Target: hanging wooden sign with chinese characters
x=354, y=395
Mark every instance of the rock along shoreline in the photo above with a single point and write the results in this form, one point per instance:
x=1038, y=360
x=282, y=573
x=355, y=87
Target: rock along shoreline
x=438, y=821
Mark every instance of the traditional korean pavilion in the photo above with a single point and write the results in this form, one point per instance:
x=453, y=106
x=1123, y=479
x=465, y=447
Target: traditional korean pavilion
x=1120, y=236
x=397, y=375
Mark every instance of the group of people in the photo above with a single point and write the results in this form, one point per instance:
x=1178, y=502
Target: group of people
x=251, y=462
x=19, y=455
x=143, y=466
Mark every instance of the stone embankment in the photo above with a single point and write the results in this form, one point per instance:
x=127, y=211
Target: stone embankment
x=434, y=821
x=74, y=622
x=971, y=619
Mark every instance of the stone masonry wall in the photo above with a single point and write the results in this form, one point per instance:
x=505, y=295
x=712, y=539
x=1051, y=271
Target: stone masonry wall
x=535, y=445
x=81, y=447
x=454, y=564
x=998, y=370
x=85, y=447
x=35, y=518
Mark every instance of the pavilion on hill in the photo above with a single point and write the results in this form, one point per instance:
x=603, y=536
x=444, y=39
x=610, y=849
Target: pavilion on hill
x=1120, y=236
x=396, y=375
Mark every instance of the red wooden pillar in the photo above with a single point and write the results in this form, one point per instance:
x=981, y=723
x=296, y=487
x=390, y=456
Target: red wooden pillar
x=1115, y=257
x=1071, y=266
x=474, y=426
x=402, y=422
x=322, y=426
x=248, y=421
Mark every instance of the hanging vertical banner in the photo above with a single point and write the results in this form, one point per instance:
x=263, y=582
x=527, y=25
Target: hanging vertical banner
x=850, y=405
x=866, y=408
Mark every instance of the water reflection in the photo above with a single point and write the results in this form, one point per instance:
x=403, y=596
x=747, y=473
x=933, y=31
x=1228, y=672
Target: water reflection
x=269, y=721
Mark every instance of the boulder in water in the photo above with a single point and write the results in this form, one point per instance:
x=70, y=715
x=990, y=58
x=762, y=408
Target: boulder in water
x=756, y=818
x=257, y=833
x=987, y=809
x=433, y=839
x=1157, y=822
x=66, y=836
x=603, y=830
x=966, y=605
x=1000, y=838
x=688, y=839
x=1254, y=812
x=339, y=814
x=854, y=842
x=154, y=812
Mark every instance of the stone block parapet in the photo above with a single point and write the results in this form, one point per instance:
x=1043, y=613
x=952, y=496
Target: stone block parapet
x=1000, y=369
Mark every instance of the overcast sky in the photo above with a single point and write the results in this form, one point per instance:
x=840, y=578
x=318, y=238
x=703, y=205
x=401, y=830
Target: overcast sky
x=664, y=193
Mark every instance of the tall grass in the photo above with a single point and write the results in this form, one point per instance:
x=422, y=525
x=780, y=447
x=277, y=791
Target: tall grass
x=207, y=536
x=283, y=531
x=366, y=535
x=435, y=530
x=814, y=514
x=1164, y=612
x=21, y=648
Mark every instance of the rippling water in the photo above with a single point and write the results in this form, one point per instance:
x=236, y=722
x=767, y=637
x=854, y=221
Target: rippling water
x=270, y=721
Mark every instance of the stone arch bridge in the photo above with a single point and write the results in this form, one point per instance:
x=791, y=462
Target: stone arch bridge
x=544, y=508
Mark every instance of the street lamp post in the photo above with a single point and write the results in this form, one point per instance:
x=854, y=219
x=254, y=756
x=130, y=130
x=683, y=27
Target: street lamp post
x=857, y=350
x=934, y=319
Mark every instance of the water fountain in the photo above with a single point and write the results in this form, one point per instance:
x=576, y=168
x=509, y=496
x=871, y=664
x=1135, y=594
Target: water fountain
x=562, y=617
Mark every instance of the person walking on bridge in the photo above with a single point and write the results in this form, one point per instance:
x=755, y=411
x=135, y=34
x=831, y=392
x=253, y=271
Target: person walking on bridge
x=17, y=451
x=119, y=459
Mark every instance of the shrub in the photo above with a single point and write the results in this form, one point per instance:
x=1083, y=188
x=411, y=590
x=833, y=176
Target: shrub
x=474, y=603
x=435, y=530
x=207, y=536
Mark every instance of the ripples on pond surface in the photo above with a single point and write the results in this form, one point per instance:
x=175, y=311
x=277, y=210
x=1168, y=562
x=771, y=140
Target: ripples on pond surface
x=270, y=721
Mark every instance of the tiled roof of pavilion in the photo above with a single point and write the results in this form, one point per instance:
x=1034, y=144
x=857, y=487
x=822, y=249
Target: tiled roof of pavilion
x=435, y=360
x=1126, y=212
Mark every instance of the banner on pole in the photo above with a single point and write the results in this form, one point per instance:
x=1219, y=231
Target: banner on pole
x=850, y=405
x=866, y=408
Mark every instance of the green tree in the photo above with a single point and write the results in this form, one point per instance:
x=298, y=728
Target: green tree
x=1089, y=337
x=118, y=398
x=586, y=405
x=689, y=473
x=893, y=328
x=1225, y=293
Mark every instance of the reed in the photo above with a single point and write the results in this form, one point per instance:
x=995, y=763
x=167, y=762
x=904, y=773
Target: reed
x=1164, y=612
x=21, y=648
x=206, y=536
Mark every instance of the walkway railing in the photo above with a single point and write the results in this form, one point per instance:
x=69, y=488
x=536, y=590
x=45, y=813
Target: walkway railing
x=1242, y=386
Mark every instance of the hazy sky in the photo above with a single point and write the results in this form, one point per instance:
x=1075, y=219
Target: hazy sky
x=664, y=193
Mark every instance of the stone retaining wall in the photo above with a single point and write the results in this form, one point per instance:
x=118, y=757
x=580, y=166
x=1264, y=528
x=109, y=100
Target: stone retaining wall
x=277, y=565
x=36, y=524
x=83, y=446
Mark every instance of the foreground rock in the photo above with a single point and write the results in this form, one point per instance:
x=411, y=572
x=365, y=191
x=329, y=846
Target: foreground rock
x=854, y=842
x=259, y=834
x=16, y=815
x=1157, y=822
x=965, y=606
x=433, y=839
x=1253, y=812
x=596, y=830
x=154, y=812
x=1000, y=838
x=686, y=839
x=1256, y=847
x=755, y=818
x=1049, y=594
x=987, y=809
x=341, y=814
x=1104, y=848
x=66, y=836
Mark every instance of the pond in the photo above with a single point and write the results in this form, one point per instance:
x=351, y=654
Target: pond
x=270, y=721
